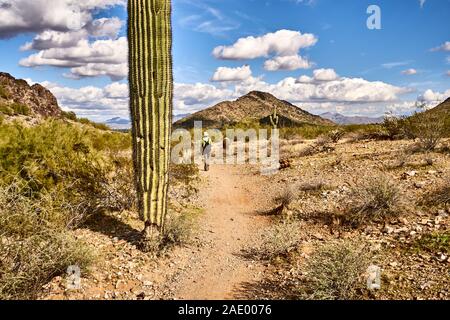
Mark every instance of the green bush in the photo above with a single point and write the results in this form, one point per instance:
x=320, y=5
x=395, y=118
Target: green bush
x=4, y=93
x=20, y=109
x=100, y=126
x=5, y=109
x=74, y=162
x=335, y=272
x=69, y=115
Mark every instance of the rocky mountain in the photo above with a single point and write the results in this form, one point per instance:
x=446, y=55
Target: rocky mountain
x=443, y=108
x=254, y=106
x=344, y=120
x=18, y=97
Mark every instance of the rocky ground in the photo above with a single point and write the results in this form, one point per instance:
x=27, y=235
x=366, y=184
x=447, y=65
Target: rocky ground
x=235, y=201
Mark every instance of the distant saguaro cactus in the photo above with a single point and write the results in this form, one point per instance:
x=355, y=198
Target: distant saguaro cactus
x=151, y=94
x=274, y=119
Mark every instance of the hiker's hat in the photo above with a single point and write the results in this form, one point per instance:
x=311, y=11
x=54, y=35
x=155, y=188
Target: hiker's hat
x=205, y=134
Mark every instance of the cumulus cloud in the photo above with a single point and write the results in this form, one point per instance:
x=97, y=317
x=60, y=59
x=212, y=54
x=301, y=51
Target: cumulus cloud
x=444, y=47
x=86, y=59
x=284, y=45
x=20, y=16
x=430, y=96
x=409, y=72
x=232, y=74
x=325, y=75
x=287, y=63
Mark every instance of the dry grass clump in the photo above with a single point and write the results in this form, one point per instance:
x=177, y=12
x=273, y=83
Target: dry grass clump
x=179, y=230
x=440, y=195
x=375, y=199
x=336, y=272
x=279, y=240
x=311, y=186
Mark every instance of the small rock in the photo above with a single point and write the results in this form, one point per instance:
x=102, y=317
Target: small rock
x=388, y=230
x=419, y=185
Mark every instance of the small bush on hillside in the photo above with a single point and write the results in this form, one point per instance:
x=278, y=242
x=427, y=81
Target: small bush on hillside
x=396, y=127
x=99, y=126
x=5, y=109
x=429, y=128
x=69, y=115
x=376, y=199
x=4, y=93
x=20, y=109
x=336, y=272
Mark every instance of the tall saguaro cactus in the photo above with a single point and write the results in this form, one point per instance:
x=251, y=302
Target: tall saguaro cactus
x=274, y=119
x=151, y=93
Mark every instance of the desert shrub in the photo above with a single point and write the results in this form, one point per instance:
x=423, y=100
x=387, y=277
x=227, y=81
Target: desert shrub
x=34, y=246
x=396, y=127
x=5, y=109
x=336, y=272
x=183, y=173
x=64, y=159
x=436, y=242
x=428, y=128
x=99, y=126
x=336, y=135
x=4, y=93
x=178, y=229
x=20, y=109
x=375, y=199
x=279, y=240
x=286, y=197
x=440, y=195
x=69, y=115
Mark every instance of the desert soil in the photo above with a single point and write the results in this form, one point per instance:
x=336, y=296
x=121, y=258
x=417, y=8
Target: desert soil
x=213, y=267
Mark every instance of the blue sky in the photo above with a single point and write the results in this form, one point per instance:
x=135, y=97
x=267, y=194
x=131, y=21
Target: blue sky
x=318, y=54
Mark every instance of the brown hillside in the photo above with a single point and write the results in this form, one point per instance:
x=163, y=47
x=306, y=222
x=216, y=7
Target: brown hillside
x=254, y=106
x=39, y=100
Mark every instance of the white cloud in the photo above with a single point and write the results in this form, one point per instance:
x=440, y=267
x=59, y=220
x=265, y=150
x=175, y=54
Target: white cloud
x=21, y=16
x=232, y=74
x=444, y=47
x=287, y=63
x=390, y=65
x=429, y=96
x=422, y=3
x=409, y=72
x=325, y=75
x=284, y=45
x=86, y=59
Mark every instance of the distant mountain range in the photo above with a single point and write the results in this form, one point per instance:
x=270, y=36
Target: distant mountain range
x=344, y=120
x=255, y=106
x=121, y=123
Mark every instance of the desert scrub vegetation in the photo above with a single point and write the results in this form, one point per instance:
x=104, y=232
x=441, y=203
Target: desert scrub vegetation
x=179, y=230
x=428, y=128
x=440, y=195
x=335, y=271
x=4, y=93
x=34, y=243
x=278, y=240
x=435, y=242
x=376, y=199
x=77, y=163
x=13, y=109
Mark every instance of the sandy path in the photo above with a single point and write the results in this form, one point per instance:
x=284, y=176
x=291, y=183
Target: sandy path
x=232, y=198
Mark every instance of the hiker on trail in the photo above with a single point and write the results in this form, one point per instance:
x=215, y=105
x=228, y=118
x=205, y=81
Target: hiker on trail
x=206, y=149
x=226, y=147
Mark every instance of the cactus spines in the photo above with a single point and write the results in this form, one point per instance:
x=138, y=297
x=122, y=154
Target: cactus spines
x=274, y=119
x=151, y=93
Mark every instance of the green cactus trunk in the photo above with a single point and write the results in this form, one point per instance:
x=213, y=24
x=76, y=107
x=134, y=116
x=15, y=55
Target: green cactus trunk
x=151, y=93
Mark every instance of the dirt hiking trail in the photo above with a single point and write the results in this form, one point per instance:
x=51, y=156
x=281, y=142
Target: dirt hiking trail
x=230, y=222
